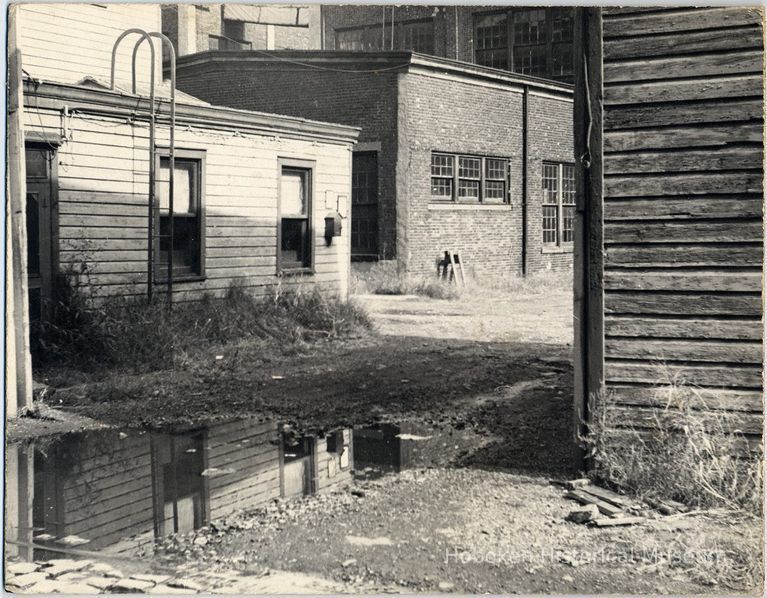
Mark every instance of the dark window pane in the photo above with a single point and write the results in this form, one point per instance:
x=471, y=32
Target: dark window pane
x=364, y=179
x=37, y=163
x=33, y=234
x=530, y=26
x=416, y=36
x=186, y=245
x=495, y=190
x=470, y=168
x=294, y=249
x=442, y=188
x=567, y=223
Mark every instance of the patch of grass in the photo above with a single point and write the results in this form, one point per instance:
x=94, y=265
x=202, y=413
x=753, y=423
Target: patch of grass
x=687, y=453
x=128, y=332
x=384, y=279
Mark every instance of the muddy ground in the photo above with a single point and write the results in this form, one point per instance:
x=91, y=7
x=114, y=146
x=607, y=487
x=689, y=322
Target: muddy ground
x=490, y=380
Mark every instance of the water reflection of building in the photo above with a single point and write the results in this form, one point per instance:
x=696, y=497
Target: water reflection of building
x=114, y=490
x=396, y=447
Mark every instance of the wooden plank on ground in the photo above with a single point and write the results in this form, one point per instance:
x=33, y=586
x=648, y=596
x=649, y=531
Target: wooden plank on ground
x=587, y=499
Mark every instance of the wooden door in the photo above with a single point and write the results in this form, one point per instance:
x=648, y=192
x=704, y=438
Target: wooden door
x=40, y=251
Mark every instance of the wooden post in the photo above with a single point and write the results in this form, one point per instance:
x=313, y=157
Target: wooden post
x=18, y=365
x=588, y=267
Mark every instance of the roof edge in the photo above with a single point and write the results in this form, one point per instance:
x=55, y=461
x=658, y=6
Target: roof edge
x=396, y=60
x=200, y=115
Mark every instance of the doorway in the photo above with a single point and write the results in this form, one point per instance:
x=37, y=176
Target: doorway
x=40, y=167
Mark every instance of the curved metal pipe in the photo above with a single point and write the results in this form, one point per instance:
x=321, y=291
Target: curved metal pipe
x=152, y=172
x=172, y=158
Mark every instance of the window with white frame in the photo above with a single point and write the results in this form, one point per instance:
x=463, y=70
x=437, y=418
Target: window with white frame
x=469, y=178
x=295, y=230
x=558, y=204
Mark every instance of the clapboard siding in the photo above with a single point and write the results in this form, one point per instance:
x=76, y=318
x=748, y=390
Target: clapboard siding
x=51, y=38
x=249, y=453
x=683, y=219
x=103, y=187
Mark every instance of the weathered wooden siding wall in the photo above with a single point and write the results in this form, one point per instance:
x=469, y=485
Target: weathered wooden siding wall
x=107, y=495
x=683, y=221
x=331, y=477
x=250, y=455
x=103, y=184
x=65, y=42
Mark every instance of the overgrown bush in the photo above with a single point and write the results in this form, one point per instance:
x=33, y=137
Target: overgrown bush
x=129, y=332
x=687, y=453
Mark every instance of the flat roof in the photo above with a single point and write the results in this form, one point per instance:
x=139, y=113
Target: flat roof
x=95, y=99
x=371, y=62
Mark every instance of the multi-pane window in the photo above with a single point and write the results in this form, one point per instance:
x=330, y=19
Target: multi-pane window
x=417, y=36
x=359, y=39
x=491, y=39
x=295, y=211
x=187, y=216
x=364, y=225
x=558, y=203
x=469, y=178
x=532, y=41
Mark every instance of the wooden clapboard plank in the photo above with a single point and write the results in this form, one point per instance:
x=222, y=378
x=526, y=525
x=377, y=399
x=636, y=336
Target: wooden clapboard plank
x=696, y=397
x=683, y=328
x=700, y=65
x=683, y=350
x=745, y=423
x=735, y=231
x=711, y=136
x=683, y=208
x=692, y=42
x=675, y=114
x=693, y=304
x=745, y=377
x=683, y=91
x=608, y=496
x=683, y=161
x=684, y=184
x=676, y=255
x=694, y=19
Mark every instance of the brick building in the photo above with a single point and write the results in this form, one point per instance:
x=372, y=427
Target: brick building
x=531, y=40
x=440, y=161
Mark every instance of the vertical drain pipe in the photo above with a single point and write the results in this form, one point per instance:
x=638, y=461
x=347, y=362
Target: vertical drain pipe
x=525, y=99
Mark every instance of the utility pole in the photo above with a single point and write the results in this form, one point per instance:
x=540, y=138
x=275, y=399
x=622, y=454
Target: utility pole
x=18, y=361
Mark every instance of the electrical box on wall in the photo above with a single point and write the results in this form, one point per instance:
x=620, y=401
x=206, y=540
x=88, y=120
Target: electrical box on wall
x=333, y=226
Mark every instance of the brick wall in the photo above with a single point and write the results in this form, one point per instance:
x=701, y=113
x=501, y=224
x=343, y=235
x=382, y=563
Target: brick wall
x=445, y=17
x=457, y=117
x=365, y=100
x=551, y=140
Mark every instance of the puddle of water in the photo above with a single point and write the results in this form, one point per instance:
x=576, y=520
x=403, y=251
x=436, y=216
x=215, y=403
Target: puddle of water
x=111, y=492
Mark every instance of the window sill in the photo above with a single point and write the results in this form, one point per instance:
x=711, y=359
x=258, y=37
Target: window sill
x=557, y=249
x=456, y=205
x=296, y=272
x=185, y=278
